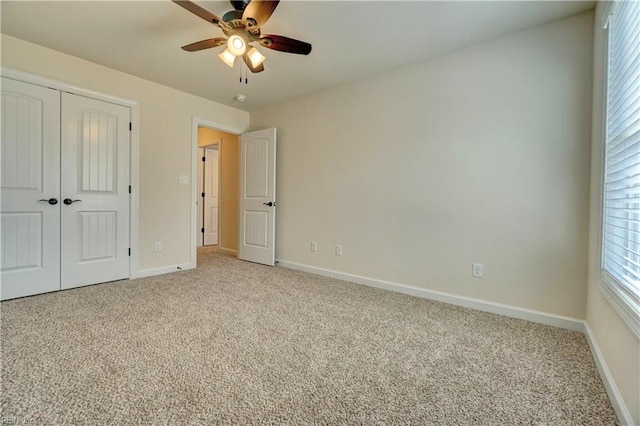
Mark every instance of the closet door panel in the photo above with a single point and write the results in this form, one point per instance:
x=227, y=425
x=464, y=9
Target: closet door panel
x=30, y=190
x=95, y=191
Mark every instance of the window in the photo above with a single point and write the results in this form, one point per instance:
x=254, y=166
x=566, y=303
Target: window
x=621, y=216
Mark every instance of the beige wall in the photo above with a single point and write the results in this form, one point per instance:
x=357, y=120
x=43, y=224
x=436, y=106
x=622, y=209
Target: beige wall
x=619, y=346
x=165, y=141
x=481, y=155
x=228, y=184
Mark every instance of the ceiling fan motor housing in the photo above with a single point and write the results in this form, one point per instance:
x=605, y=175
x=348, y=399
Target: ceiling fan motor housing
x=233, y=18
x=239, y=4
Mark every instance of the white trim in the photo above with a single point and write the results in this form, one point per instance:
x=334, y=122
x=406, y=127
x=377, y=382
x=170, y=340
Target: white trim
x=164, y=270
x=624, y=416
x=134, y=178
x=193, y=252
x=195, y=123
x=624, y=303
x=228, y=251
x=467, y=302
x=134, y=148
x=62, y=86
x=606, y=13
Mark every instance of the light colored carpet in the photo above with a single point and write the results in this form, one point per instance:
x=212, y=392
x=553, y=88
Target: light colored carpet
x=238, y=343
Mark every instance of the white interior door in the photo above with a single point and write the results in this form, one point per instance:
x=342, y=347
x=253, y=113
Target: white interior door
x=30, y=177
x=95, y=191
x=211, y=207
x=200, y=198
x=257, y=196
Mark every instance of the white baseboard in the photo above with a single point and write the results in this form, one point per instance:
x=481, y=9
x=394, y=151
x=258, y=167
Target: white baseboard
x=624, y=416
x=164, y=270
x=572, y=324
x=228, y=251
x=467, y=302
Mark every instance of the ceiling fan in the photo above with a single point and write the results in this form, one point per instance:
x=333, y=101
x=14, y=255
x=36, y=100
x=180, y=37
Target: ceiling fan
x=242, y=28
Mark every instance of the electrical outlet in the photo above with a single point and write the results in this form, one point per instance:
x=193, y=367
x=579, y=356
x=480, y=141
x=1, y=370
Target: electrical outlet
x=477, y=270
x=158, y=247
x=184, y=179
x=338, y=250
x=314, y=246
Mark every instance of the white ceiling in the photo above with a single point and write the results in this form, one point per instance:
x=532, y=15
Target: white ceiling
x=351, y=39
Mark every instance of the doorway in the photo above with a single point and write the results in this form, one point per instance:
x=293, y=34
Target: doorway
x=215, y=188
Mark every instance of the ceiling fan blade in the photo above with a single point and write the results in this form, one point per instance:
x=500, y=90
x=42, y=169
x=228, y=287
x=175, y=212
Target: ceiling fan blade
x=258, y=12
x=198, y=11
x=205, y=44
x=285, y=44
x=253, y=69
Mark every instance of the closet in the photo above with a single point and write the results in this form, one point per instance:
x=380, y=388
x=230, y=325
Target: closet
x=65, y=190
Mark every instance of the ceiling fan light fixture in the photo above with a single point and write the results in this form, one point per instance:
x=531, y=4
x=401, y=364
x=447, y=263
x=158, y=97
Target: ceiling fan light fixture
x=227, y=57
x=236, y=45
x=242, y=28
x=255, y=57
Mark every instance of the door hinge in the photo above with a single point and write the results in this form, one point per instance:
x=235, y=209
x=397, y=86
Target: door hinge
x=130, y=126
x=129, y=251
x=129, y=189
x=202, y=230
x=203, y=195
x=204, y=158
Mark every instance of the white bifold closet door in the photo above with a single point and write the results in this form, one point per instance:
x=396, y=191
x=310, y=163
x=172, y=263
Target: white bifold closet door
x=30, y=182
x=65, y=190
x=95, y=191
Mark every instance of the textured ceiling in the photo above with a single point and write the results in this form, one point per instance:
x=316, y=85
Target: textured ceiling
x=351, y=39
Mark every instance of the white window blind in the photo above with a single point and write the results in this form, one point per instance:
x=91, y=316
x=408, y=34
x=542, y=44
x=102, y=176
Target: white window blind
x=621, y=222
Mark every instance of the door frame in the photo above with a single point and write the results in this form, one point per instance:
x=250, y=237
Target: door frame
x=134, y=148
x=197, y=122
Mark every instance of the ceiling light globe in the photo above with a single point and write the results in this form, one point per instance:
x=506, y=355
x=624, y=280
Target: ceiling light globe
x=236, y=45
x=255, y=57
x=227, y=58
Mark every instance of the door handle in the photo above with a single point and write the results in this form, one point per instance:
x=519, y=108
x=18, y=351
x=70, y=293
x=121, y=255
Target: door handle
x=52, y=201
x=270, y=204
x=69, y=201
